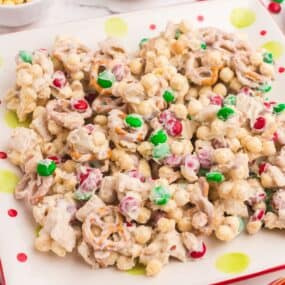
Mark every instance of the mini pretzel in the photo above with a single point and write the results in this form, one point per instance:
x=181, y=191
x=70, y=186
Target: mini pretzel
x=97, y=67
x=104, y=104
x=60, y=111
x=245, y=74
x=104, y=240
x=203, y=75
x=33, y=188
x=121, y=132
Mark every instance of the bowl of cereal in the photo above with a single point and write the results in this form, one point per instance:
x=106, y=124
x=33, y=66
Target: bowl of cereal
x=15, y=13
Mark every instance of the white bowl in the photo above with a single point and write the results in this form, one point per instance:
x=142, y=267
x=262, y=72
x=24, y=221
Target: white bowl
x=23, y=14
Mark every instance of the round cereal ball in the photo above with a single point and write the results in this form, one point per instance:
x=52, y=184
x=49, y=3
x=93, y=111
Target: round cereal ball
x=203, y=133
x=143, y=234
x=220, y=89
x=153, y=267
x=224, y=233
x=226, y=74
x=194, y=107
x=253, y=227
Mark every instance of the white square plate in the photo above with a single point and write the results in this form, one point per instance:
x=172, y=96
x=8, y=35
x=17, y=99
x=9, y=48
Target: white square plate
x=264, y=250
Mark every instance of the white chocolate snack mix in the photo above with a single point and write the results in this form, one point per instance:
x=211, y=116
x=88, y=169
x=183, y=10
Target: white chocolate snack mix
x=134, y=158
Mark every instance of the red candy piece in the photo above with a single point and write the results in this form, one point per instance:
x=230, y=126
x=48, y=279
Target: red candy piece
x=200, y=18
x=174, y=127
x=22, y=257
x=216, y=100
x=259, y=123
x=152, y=26
x=55, y=158
x=80, y=105
x=165, y=116
x=135, y=174
x=258, y=215
x=128, y=205
x=12, y=213
x=263, y=32
x=275, y=137
x=281, y=69
x=195, y=254
x=89, y=128
x=274, y=8
x=59, y=79
x=120, y=72
x=262, y=167
x=173, y=160
x=89, y=179
x=3, y=155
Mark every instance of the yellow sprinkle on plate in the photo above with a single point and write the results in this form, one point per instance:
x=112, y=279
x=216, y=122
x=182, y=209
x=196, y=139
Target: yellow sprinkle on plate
x=276, y=48
x=242, y=18
x=235, y=262
x=116, y=27
x=8, y=181
x=12, y=120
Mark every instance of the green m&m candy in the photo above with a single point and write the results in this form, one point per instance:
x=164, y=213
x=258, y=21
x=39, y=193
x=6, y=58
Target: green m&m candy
x=203, y=46
x=142, y=42
x=160, y=195
x=26, y=56
x=230, y=100
x=106, y=79
x=278, y=1
x=46, y=167
x=178, y=33
x=161, y=151
x=215, y=176
x=168, y=96
x=268, y=57
x=158, y=137
x=134, y=121
x=279, y=108
x=225, y=113
x=82, y=196
x=265, y=88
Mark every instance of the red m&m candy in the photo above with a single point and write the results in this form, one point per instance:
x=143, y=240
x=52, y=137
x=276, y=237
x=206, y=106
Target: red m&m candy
x=79, y=105
x=274, y=7
x=259, y=123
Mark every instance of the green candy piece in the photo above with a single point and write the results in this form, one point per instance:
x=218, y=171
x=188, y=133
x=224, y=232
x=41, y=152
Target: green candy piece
x=158, y=137
x=225, y=113
x=203, y=46
x=134, y=120
x=202, y=172
x=268, y=57
x=278, y=1
x=168, y=96
x=26, y=56
x=46, y=167
x=241, y=225
x=142, y=42
x=189, y=117
x=160, y=195
x=230, y=100
x=279, y=108
x=106, y=79
x=178, y=33
x=82, y=196
x=215, y=176
x=161, y=151
x=265, y=88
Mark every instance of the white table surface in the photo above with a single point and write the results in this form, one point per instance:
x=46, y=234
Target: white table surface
x=73, y=10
